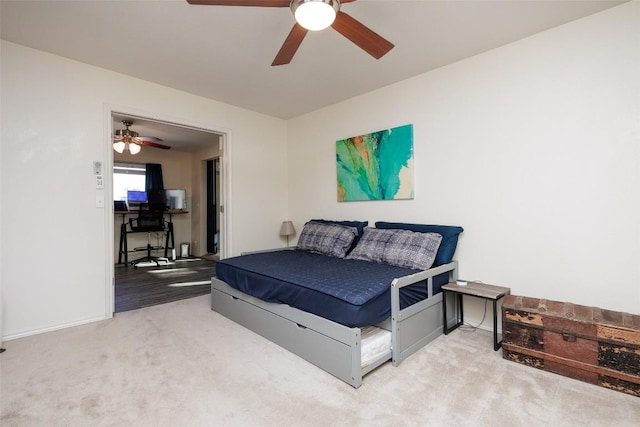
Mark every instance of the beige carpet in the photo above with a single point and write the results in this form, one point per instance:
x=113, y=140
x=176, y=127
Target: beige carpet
x=181, y=364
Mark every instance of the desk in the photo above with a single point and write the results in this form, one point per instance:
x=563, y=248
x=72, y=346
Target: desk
x=474, y=289
x=123, y=249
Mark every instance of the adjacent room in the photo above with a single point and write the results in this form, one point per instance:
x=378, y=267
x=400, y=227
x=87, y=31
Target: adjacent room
x=493, y=147
x=165, y=254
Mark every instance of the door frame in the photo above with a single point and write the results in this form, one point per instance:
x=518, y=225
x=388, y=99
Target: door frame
x=107, y=170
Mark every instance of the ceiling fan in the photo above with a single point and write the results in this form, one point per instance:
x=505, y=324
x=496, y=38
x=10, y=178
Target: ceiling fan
x=128, y=140
x=315, y=15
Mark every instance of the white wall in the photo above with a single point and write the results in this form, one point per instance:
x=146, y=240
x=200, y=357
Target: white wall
x=55, y=243
x=533, y=148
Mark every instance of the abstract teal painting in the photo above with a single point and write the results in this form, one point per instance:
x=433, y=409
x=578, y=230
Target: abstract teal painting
x=376, y=166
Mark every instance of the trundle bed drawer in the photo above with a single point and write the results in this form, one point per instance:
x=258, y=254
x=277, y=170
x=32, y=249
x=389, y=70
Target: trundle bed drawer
x=328, y=353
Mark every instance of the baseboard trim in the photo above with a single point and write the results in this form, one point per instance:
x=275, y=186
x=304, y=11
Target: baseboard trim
x=52, y=328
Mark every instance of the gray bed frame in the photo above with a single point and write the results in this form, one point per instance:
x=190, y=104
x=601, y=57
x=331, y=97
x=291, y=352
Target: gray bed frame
x=331, y=346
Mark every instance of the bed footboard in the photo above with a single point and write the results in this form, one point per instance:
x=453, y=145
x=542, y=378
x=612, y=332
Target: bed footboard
x=417, y=325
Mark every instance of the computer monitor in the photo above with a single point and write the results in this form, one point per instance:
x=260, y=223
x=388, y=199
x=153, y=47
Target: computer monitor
x=176, y=199
x=120, y=206
x=136, y=197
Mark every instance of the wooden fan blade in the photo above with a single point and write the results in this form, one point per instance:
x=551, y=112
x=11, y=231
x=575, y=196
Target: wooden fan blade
x=153, y=144
x=257, y=3
x=147, y=138
x=366, y=39
x=290, y=45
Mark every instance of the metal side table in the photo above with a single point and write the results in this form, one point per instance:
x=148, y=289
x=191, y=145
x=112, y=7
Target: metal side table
x=474, y=289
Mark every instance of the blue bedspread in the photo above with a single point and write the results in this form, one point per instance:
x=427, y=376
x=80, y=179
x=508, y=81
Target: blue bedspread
x=350, y=292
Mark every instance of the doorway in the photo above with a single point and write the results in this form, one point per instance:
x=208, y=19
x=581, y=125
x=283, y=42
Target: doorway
x=198, y=143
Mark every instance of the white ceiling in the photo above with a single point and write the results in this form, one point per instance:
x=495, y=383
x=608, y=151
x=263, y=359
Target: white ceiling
x=224, y=53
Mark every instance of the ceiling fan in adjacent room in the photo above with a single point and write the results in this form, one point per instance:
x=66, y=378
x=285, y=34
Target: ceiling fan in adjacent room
x=128, y=140
x=315, y=15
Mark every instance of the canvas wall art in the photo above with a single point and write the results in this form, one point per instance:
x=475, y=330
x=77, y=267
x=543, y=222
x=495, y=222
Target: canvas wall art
x=376, y=166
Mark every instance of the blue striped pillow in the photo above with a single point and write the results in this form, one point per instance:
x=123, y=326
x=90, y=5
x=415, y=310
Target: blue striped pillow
x=402, y=248
x=449, y=235
x=327, y=239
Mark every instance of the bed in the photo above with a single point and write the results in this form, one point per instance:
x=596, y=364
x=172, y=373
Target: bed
x=348, y=297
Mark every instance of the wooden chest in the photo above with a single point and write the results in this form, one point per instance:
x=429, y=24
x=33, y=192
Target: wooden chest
x=586, y=343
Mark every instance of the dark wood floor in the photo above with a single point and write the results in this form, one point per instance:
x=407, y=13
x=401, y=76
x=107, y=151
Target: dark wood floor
x=146, y=286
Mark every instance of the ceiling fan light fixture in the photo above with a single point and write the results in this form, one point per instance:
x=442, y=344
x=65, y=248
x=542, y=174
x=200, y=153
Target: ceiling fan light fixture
x=125, y=139
x=119, y=146
x=131, y=141
x=315, y=15
x=134, y=148
x=131, y=147
x=126, y=133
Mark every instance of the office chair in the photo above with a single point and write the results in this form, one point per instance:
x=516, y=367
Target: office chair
x=150, y=219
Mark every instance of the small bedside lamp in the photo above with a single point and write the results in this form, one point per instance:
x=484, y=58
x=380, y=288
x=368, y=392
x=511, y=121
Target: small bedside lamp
x=287, y=229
